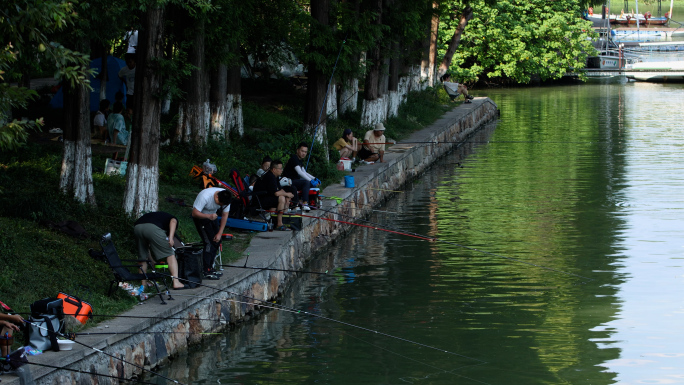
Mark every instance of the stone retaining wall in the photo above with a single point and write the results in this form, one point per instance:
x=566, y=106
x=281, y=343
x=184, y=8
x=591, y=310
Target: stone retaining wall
x=236, y=297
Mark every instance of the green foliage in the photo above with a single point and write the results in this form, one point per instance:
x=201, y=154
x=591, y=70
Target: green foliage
x=26, y=27
x=514, y=41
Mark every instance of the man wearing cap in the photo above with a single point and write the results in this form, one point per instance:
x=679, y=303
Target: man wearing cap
x=373, y=144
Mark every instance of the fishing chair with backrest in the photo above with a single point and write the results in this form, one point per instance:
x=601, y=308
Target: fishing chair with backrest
x=122, y=273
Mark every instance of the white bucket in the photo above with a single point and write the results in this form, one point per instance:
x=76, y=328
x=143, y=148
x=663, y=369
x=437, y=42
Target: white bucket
x=347, y=163
x=65, y=344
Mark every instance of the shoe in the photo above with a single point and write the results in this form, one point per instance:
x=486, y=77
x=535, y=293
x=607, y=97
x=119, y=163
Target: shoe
x=211, y=277
x=306, y=208
x=470, y=97
x=467, y=101
x=216, y=272
x=283, y=228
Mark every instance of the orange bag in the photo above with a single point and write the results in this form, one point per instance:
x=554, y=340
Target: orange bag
x=73, y=306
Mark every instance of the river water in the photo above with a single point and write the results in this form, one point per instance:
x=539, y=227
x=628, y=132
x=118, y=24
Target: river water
x=560, y=261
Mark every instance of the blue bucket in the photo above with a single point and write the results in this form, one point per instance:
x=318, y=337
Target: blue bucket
x=349, y=181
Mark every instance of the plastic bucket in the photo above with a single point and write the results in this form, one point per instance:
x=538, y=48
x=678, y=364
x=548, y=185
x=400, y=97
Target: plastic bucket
x=349, y=181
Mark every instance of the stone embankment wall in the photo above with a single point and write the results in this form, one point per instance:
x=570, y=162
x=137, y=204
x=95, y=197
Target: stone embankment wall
x=170, y=329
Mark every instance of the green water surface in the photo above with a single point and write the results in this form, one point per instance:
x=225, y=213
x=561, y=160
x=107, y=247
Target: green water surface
x=559, y=261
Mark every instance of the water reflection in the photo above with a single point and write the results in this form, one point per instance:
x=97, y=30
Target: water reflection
x=561, y=263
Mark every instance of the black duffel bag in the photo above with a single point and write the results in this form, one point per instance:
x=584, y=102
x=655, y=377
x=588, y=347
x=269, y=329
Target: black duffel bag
x=189, y=266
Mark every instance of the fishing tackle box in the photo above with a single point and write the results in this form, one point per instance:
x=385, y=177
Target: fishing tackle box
x=246, y=224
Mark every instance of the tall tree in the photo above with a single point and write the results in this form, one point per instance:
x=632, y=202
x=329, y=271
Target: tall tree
x=142, y=176
x=193, y=112
x=76, y=173
x=463, y=16
x=315, y=111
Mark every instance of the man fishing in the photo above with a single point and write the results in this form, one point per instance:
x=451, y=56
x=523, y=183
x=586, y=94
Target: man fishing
x=373, y=148
x=207, y=203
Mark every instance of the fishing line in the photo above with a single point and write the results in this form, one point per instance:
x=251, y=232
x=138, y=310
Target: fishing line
x=276, y=306
x=270, y=269
x=377, y=226
x=81, y=372
x=141, y=317
x=105, y=353
x=423, y=363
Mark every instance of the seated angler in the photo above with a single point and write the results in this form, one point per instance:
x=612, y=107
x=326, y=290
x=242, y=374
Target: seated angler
x=274, y=198
x=347, y=145
x=301, y=180
x=373, y=148
x=454, y=89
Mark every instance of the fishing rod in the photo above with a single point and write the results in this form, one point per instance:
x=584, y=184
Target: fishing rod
x=380, y=227
x=271, y=269
x=275, y=306
x=105, y=353
x=119, y=379
x=135, y=316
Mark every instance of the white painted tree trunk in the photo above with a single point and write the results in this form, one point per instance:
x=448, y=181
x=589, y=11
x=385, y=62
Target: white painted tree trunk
x=142, y=192
x=332, y=101
x=404, y=88
x=393, y=102
x=218, y=129
x=349, y=95
x=373, y=112
x=193, y=122
x=234, y=119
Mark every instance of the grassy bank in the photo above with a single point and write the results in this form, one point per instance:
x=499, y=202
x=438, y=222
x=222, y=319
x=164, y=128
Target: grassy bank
x=37, y=261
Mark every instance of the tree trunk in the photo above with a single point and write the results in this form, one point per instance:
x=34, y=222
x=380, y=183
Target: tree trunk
x=432, y=51
x=393, y=96
x=234, y=100
x=104, y=75
x=349, y=95
x=455, y=41
x=142, y=176
x=372, y=110
x=217, y=102
x=315, y=111
x=193, y=113
x=76, y=176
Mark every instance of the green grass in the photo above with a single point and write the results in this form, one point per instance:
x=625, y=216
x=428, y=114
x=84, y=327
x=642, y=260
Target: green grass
x=37, y=262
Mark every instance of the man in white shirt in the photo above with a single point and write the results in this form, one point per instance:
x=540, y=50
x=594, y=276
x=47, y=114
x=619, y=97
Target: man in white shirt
x=207, y=203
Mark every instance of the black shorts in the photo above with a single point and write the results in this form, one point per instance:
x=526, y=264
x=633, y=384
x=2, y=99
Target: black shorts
x=267, y=202
x=364, y=153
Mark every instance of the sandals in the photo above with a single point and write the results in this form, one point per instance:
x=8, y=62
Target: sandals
x=182, y=288
x=283, y=228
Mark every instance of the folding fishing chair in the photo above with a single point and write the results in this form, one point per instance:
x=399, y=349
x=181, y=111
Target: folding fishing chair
x=121, y=272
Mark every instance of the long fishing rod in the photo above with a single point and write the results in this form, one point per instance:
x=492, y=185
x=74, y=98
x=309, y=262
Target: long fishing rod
x=119, y=379
x=271, y=269
x=135, y=316
x=267, y=304
x=380, y=227
x=105, y=353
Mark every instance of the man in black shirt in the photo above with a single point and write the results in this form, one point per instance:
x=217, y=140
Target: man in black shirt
x=276, y=198
x=154, y=233
x=301, y=180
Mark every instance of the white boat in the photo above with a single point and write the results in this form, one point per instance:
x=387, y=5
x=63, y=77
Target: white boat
x=656, y=71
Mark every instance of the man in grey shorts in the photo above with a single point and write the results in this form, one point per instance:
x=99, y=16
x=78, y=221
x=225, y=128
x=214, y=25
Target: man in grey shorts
x=154, y=233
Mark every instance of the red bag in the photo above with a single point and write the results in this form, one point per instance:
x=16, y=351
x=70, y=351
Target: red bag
x=74, y=306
